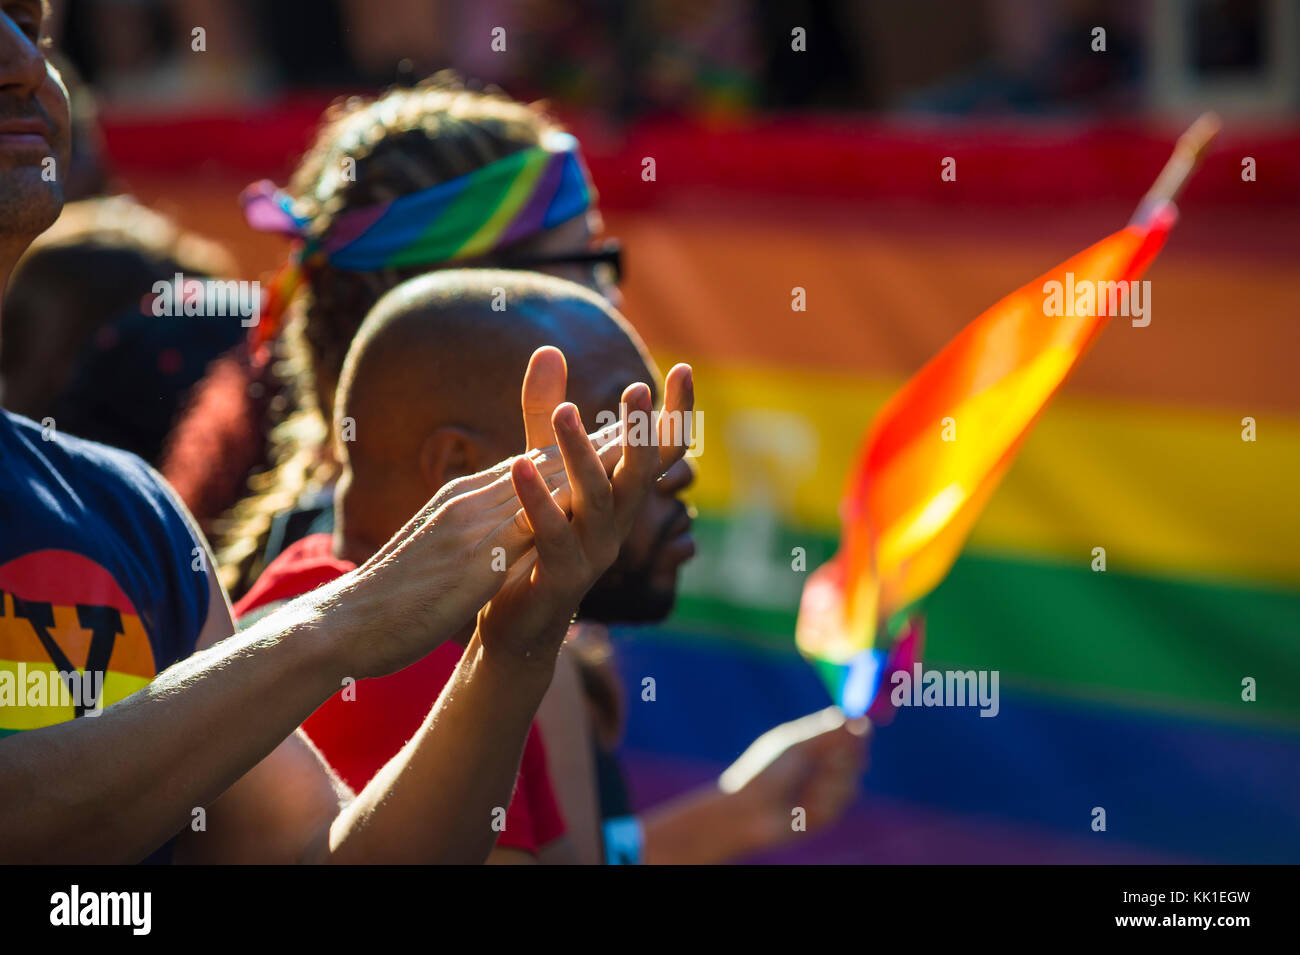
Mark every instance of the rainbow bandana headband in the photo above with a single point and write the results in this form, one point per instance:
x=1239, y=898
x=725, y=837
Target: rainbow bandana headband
x=503, y=202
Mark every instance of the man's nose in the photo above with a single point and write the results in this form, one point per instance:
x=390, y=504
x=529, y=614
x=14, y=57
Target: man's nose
x=22, y=64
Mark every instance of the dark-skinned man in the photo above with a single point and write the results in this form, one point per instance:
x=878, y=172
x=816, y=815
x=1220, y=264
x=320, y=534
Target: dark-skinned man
x=424, y=398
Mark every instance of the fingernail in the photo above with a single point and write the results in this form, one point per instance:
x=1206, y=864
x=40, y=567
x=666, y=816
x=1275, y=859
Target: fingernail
x=859, y=726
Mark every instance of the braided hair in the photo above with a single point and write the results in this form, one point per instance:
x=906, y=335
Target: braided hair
x=367, y=151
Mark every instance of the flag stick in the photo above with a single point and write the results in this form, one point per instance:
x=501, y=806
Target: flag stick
x=1191, y=148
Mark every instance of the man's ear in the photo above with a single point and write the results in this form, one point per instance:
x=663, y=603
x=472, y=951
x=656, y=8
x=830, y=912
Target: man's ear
x=447, y=453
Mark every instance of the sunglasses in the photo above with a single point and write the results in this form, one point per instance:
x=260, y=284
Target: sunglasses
x=604, y=255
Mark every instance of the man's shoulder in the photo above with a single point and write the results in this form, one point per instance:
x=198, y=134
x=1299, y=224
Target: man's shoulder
x=67, y=452
x=63, y=494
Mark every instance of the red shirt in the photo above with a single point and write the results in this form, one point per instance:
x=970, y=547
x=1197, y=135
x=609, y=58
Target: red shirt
x=360, y=735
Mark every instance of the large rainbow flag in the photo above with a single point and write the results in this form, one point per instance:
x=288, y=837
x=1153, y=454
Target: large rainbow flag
x=1121, y=689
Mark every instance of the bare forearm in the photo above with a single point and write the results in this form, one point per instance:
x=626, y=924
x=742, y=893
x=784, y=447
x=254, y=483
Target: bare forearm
x=434, y=801
x=114, y=787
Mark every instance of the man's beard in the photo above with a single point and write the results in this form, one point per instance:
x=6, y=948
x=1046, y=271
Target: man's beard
x=29, y=200
x=625, y=594
x=28, y=204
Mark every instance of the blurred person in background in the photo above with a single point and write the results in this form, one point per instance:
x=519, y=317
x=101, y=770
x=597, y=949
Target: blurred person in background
x=89, y=353
x=155, y=51
x=264, y=409
x=367, y=152
x=1021, y=56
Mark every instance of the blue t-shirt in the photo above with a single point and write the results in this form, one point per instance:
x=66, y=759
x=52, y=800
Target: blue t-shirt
x=101, y=574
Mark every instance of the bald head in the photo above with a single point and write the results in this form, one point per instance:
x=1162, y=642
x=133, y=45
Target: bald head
x=430, y=387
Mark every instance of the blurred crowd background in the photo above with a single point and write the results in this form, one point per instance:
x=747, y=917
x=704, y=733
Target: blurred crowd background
x=629, y=58
x=820, y=169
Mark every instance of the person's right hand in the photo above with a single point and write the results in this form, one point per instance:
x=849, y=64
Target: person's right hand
x=814, y=763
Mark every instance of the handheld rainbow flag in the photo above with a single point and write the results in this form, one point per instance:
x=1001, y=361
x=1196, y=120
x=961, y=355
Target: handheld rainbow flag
x=936, y=451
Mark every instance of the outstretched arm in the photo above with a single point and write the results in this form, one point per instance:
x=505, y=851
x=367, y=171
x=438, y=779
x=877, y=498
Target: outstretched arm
x=114, y=787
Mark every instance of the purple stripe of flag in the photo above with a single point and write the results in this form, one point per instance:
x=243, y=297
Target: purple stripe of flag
x=352, y=226
x=529, y=220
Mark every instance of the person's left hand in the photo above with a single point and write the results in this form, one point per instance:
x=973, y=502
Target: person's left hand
x=529, y=615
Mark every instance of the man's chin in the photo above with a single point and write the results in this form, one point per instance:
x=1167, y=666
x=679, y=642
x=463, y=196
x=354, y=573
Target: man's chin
x=29, y=203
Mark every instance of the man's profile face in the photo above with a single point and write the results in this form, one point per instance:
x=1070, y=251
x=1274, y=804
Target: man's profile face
x=34, y=122
x=375, y=498
x=641, y=585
